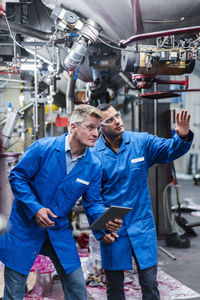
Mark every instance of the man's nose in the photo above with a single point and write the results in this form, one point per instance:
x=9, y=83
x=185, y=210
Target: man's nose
x=116, y=120
x=96, y=131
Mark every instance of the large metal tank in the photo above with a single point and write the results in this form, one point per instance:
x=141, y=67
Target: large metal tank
x=117, y=17
x=7, y=161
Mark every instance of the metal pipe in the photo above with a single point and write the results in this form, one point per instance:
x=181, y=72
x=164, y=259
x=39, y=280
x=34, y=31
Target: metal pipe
x=167, y=253
x=70, y=93
x=126, y=79
x=51, y=88
x=18, y=87
x=36, y=94
x=58, y=60
x=25, y=107
x=155, y=110
x=32, y=44
x=8, y=128
x=180, y=82
x=88, y=34
x=26, y=30
x=14, y=53
x=39, y=56
x=76, y=54
x=12, y=80
x=149, y=35
x=19, y=111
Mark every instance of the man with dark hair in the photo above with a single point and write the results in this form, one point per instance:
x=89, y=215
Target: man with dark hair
x=125, y=157
x=51, y=176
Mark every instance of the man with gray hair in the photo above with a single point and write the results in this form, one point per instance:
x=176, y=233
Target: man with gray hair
x=48, y=180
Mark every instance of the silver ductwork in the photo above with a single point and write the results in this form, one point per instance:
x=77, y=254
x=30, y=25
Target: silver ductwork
x=76, y=54
x=88, y=34
x=90, y=30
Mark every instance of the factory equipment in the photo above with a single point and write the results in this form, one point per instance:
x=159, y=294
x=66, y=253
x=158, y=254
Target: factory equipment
x=102, y=43
x=7, y=161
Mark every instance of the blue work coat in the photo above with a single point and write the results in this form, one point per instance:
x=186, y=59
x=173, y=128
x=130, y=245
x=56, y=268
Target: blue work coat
x=40, y=180
x=125, y=183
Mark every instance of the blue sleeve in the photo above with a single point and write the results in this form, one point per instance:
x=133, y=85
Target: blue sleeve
x=20, y=180
x=92, y=201
x=162, y=151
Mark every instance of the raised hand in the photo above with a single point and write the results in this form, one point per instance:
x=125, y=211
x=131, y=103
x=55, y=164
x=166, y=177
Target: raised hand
x=182, y=123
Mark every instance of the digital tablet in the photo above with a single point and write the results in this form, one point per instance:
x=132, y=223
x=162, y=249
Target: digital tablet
x=111, y=213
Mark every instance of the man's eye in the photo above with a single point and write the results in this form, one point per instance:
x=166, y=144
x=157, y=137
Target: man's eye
x=110, y=120
x=117, y=115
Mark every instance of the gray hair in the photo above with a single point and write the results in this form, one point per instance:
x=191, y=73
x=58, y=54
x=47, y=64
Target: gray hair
x=84, y=110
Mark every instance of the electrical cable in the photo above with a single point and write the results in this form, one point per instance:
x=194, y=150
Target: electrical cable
x=37, y=11
x=16, y=42
x=11, y=34
x=111, y=46
x=167, y=216
x=148, y=50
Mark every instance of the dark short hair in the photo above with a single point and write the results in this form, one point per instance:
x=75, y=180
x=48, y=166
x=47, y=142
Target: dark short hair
x=104, y=106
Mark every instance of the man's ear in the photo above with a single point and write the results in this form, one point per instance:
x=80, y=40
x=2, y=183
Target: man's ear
x=72, y=127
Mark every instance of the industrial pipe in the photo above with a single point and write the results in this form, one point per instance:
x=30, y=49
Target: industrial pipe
x=70, y=93
x=25, y=30
x=87, y=35
x=148, y=35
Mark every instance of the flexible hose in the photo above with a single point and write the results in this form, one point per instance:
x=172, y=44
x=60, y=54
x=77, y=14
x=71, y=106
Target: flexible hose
x=26, y=30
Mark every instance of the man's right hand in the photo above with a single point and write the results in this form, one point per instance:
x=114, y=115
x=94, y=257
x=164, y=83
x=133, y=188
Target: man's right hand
x=114, y=226
x=109, y=238
x=42, y=219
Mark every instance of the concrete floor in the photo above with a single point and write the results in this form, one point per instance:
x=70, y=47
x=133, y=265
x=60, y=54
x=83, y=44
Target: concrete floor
x=186, y=267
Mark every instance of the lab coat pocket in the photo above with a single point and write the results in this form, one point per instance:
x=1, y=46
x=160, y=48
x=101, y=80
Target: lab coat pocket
x=137, y=163
x=78, y=187
x=137, y=174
